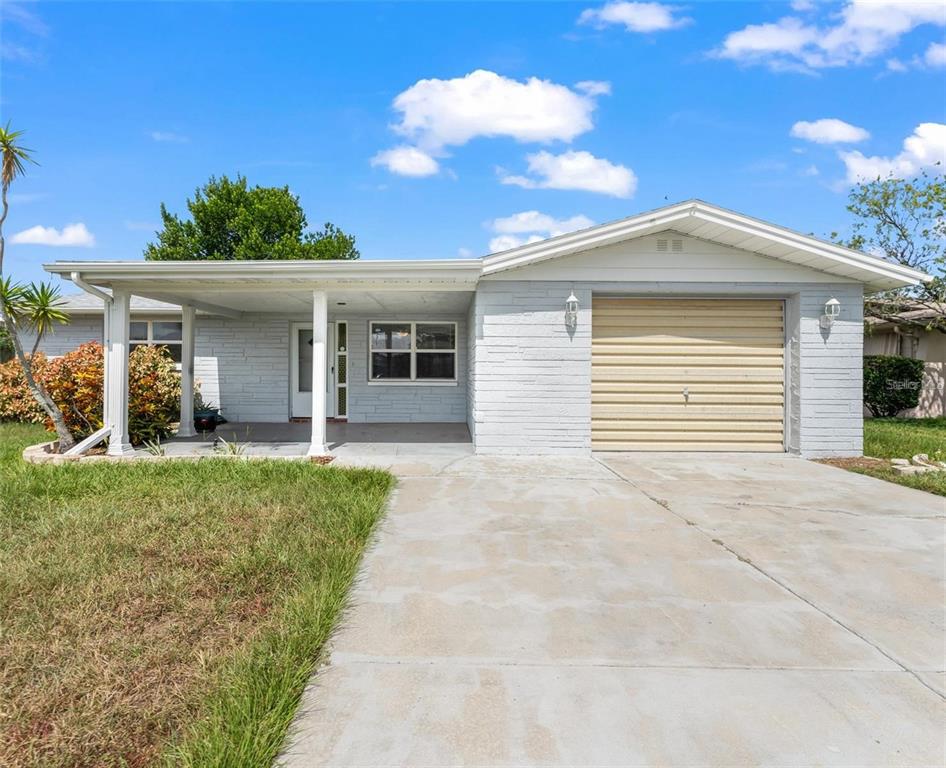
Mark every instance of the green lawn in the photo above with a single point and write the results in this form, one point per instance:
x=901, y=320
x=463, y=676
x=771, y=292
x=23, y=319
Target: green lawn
x=167, y=613
x=903, y=438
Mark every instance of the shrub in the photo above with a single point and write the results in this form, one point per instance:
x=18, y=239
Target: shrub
x=6, y=345
x=891, y=384
x=16, y=401
x=75, y=382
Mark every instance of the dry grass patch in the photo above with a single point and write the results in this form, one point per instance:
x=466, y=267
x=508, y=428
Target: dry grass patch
x=170, y=612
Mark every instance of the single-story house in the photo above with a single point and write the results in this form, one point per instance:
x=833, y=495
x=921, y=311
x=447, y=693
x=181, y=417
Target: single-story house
x=908, y=339
x=686, y=328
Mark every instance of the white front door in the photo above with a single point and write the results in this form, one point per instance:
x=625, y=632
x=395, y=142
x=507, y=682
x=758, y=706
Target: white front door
x=300, y=371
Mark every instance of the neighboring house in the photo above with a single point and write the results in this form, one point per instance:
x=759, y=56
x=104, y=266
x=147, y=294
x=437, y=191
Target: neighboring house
x=694, y=328
x=891, y=338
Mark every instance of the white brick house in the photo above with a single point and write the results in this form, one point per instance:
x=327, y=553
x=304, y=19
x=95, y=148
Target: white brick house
x=696, y=328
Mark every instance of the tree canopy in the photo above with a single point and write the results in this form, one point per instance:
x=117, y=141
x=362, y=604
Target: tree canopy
x=232, y=221
x=905, y=222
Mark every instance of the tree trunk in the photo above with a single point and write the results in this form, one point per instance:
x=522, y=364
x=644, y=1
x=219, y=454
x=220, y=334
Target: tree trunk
x=66, y=440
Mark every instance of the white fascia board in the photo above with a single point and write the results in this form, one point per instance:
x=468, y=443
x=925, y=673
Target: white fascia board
x=664, y=218
x=444, y=270
x=815, y=246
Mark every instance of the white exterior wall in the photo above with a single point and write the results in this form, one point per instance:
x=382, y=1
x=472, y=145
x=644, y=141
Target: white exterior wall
x=471, y=370
x=374, y=402
x=242, y=366
x=533, y=378
x=831, y=377
x=533, y=375
x=80, y=329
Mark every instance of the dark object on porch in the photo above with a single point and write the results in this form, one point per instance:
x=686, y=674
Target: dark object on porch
x=206, y=419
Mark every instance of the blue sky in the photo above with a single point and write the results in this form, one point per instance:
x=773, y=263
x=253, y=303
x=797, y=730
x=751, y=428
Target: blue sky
x=438, y=130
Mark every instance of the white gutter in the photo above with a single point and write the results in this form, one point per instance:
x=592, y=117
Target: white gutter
x=76, y=277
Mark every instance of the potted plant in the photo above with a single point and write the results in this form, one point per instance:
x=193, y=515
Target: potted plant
x=206, y=415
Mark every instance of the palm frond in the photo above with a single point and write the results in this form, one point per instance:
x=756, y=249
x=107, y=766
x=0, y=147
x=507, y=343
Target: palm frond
x=41, y=307
x=11, y=299
x=13, y=156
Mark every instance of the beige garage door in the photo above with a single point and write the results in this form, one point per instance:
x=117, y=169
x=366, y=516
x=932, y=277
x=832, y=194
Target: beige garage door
x=687, y=375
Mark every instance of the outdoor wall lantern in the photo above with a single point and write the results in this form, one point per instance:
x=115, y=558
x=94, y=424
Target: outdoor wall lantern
x=571, y=310
x=832, y=308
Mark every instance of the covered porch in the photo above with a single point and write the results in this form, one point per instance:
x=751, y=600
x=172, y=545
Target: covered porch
x=354, y=442
x=303, y=358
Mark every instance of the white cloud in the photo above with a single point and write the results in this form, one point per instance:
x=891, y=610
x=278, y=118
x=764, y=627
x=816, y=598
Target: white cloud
x=636, y=17
x=575, y=170
x=505, y=242
x=18, y=14
x=533, y=221
x=26, y=197
x=828, y=130
x=18, y=22
x=169, y=137
x=935, y=55
x=594, y=87
x=864, y=29
x=923, y=149
x=895, y=65
x=406, y=161
x=71, y=235
x=440, y=113
x=464, y=253
x=530, y=227
x=811, y=170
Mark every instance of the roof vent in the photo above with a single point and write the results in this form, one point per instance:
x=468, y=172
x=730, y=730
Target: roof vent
x=661, y=245
x=676, y=246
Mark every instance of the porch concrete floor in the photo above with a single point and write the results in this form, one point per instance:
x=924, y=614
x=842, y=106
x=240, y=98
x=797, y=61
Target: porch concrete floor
x=352, y=444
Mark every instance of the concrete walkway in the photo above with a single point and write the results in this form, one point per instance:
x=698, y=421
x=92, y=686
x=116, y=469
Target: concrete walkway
x=639, y=610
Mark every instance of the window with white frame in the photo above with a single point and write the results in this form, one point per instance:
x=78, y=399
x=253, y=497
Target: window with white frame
x=157, y=333
x=412, y=352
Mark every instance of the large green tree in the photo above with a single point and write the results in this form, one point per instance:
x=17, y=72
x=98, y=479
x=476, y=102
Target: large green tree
x=230, y=220
x=904, y=221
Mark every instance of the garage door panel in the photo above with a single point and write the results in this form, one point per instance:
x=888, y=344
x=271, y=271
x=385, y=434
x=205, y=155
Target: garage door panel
x=678, y=324
x=665, y=444
x=689, y=361
x=660, y=386
x=680, y=376
x=647, y=345
x=693, y=413
x=726, y=354
x=676, y=306
x=671, y=398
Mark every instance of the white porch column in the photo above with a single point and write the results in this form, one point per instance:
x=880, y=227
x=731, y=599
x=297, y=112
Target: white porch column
x=106, y=343
x=319, y=336
x=116, y=394
x=186, y=428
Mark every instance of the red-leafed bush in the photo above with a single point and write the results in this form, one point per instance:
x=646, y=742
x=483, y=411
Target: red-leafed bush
x=74, y=381
x=16, y=401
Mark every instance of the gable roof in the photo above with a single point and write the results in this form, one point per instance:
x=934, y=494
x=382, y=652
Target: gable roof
x=709, y=222
x=694, y=218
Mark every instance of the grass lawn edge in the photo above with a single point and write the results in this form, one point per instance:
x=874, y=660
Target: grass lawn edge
x=247, y=716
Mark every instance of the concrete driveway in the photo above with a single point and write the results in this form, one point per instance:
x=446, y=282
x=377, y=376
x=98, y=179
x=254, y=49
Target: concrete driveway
x=640, y=610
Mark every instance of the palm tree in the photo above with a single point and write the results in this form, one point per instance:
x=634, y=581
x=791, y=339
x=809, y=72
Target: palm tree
x=34, y=306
